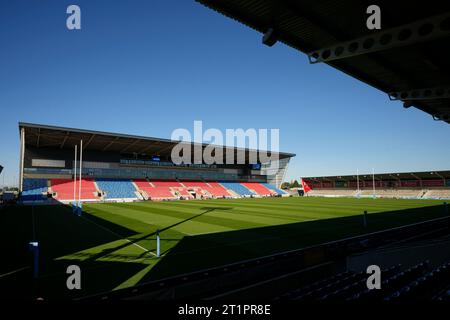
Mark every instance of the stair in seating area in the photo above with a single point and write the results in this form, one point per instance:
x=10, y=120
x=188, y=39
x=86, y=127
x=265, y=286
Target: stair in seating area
x=154, y=189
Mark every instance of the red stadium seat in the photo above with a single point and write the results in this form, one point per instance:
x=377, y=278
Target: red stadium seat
x=64, y=189
x=258, y=188
x=158, y=190
x=211, y=187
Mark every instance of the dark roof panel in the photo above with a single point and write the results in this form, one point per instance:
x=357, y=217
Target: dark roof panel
x=40, y=136
x=317, y=24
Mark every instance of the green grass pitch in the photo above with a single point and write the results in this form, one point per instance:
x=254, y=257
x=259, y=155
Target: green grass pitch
x=114, y=243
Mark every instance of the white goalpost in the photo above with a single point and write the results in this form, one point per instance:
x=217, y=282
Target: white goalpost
x=79, y=173
x=74, y=204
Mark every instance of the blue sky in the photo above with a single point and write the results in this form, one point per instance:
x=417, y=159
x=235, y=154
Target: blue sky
x=149, y=67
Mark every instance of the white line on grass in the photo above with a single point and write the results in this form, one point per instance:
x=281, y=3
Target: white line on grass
x=118, y=235
x=12, y=272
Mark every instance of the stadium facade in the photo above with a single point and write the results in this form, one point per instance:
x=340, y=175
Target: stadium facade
x=120, y=167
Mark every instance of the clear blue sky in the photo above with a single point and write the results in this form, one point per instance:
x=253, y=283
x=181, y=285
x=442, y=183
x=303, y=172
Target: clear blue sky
x=149, y=67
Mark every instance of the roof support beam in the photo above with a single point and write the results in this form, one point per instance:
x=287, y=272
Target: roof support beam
x=170, y=146
x=437, y=173
x=89, y=141
x=419, y=31
x=148, y=148
x=110, y=144
x=50, y=144
x=64, y=140
x=130, y=145
x=38, y=137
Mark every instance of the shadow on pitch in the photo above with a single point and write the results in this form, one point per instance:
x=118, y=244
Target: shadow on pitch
x=59, y=233
x=130, y=242
x=62, y=233
x=195, y=253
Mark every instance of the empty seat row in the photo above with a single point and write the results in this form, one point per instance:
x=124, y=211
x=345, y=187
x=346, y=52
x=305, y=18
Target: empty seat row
x=338, y=287
x=423, y=287
x=391, y=282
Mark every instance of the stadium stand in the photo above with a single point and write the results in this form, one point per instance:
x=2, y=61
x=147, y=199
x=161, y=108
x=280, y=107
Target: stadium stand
x=122, y=189
x=119, y=167
x=387, y=185
x=154, y=191
x=395, y=193
x=117, y=188
x=182, y=193
x=34, y=190
x=237, y=188
x=199, y=187
x=437, y=194
x=218, y=190
x=63, y=189
x=273, y=188
x=166, y=183
x=258, y=188
x=208, y=189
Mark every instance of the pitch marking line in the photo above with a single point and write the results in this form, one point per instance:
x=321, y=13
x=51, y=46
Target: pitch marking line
x=119, y=236
x=12, y=272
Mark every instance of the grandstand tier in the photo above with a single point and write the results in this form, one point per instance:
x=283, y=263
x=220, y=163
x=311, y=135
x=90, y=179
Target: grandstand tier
x=138, y=189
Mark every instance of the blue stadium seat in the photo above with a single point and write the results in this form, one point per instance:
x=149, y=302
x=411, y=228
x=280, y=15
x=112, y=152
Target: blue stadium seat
x=117, y=188
x=238, y=188
x=34, y=189
x=272, y=187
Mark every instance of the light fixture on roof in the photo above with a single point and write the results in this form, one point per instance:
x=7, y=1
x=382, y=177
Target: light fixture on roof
x=270, y=37
x=407, y=104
